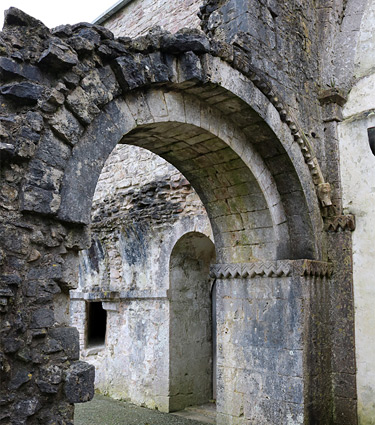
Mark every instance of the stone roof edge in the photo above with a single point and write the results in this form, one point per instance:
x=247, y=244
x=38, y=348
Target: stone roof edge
x=110, y=12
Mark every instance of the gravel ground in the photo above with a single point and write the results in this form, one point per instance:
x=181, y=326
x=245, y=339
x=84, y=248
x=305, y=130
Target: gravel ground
x=106, y=411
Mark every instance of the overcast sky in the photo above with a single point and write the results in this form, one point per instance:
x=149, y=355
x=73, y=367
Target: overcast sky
x=53, y=12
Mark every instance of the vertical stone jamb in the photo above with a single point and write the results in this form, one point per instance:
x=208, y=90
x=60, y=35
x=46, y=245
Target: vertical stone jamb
x=332, y=101
x=272, y=320
x=342, y=329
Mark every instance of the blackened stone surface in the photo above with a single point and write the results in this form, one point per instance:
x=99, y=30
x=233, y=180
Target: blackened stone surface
x=14, y=16
x=68, y=338
x=185, y=41
x=59, y=56
x=26, y=93
x=79, y=382
x=26, y=408
x=20, y=377
x=42, y=318
x=9, y=68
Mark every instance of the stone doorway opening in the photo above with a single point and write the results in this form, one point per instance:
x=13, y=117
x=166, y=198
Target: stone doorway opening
x=192, y=327
x=146, y=275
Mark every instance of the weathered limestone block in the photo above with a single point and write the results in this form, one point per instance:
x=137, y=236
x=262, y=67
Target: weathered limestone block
x=80, y=104
x=269, y=323
x=42, y=318
x=25, y=409
x=10, y=69
x=79, y=382
x=81, y=45
x=6, y=150
x=190, y=68
x=101, y=86
x=138, y=71
x=53, y=151
x=43, y=176
x=68, y=339
x=66, y=125
x=58, y=56
x=49, y=379
x=39, y=200
x=25, y=92
x=185, y=40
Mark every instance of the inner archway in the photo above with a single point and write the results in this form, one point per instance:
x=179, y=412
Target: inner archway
x=192, y=350
x=142, y=207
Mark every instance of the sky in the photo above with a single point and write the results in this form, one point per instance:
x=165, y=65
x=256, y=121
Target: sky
x=53, y=13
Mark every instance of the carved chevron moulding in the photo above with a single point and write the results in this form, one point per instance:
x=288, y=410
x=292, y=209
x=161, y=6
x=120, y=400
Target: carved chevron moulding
x=282, y=268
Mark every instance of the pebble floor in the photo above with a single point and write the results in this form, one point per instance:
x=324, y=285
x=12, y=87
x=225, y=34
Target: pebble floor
x=106, y=411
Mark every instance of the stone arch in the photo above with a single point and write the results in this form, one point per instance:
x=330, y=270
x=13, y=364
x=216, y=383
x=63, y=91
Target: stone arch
x=191, y=327
x=276, y=162
x=62, y=123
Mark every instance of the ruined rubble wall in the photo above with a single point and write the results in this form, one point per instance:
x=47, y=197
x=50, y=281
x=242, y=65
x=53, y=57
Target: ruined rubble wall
x=281, y=41
x=138, y=16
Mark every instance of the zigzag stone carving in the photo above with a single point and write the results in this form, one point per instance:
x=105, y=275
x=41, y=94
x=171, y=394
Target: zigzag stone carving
x=281, y=268
x=225, y=52
x=339, y=223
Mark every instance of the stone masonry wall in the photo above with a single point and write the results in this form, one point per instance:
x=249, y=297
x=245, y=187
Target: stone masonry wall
x=358, y=180
x=138, y=16
x=191, y=326
x=281, y=40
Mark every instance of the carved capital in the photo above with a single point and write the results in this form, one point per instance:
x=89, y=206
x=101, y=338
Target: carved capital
x=333, y=95
x=339, y=223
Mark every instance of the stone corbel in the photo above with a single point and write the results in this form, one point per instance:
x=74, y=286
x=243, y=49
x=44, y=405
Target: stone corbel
x=332, y=100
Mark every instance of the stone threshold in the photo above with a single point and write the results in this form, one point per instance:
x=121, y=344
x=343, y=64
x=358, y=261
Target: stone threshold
x=205, y=413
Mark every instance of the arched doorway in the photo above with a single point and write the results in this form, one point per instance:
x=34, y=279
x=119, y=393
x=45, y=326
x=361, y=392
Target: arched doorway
x=191, y=322
x=251, y=167
x=142, y=208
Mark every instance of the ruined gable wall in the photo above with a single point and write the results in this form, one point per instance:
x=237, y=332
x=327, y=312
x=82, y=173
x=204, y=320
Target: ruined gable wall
x=138, y=16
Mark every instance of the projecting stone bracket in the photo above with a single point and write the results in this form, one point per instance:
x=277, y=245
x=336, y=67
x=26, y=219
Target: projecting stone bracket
x=282, y=268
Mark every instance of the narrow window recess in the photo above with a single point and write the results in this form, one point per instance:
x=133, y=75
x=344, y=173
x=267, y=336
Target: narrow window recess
x=96, y=324
x=371, y=138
